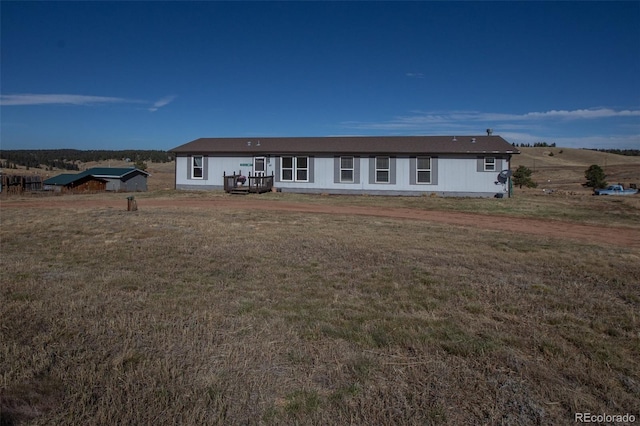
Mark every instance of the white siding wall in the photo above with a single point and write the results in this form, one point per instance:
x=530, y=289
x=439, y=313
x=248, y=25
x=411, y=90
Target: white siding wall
x=462, y=175
x=214, y=167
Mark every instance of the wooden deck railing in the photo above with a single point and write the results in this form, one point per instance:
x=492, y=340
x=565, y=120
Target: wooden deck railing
x=257, y=183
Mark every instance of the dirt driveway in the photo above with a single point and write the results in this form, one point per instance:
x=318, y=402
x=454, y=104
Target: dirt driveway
x=553, y=229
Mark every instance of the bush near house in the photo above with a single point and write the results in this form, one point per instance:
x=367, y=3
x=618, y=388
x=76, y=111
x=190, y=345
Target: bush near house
x=522, y=177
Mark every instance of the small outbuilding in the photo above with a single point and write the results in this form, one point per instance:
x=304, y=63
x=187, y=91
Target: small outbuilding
x=100, y=179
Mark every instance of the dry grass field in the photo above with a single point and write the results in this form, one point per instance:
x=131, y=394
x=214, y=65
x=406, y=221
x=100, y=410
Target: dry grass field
x=562, y=169
x=184, y=312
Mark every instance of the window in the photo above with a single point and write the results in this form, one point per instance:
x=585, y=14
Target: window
x=294, y=169
x=302, y=169
x=197, y=167
x=346, y=169
x=287, y=168
x=382, y=169
x=423, y=170
x=489, y=164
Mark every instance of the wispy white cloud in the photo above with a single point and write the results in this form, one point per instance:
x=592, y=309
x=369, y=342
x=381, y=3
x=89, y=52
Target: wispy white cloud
x=583, y=114
x=579, y=114
x=162, y=102
x=598, y=141
x=419, y=119
x=415, y=74
x=59, y=99
x=25, y=99
x=570, y=128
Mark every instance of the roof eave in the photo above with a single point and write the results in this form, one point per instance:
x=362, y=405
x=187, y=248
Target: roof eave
x=369, y=152
x=119, y=176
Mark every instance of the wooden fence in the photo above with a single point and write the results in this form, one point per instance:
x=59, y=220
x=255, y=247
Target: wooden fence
x=14, y=184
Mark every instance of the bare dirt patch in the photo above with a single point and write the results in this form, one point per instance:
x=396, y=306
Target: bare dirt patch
x=543, y=228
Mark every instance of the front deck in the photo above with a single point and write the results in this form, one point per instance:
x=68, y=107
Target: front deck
x=241, y=185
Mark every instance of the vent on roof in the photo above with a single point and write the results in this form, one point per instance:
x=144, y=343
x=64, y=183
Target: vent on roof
x=454, y=139
x=473, y=140
x=248, y=143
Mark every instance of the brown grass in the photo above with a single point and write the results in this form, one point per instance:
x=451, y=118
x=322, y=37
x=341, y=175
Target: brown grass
x=564, y=170
x=184, y=315
x=180, y=315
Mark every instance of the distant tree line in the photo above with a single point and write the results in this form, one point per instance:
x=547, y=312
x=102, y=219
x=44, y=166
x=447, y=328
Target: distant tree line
x=68, y=159
x=629, y=152
x=13, y=163
x=535, y=145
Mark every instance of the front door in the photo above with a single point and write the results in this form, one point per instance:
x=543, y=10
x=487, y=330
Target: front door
x=259, y=166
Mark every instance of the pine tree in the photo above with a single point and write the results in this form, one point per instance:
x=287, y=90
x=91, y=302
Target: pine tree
x=595, y=177
x=522, y=177
x=140, y=164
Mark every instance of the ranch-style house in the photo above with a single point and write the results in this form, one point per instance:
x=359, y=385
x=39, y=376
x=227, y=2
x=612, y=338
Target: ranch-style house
x=390, y=165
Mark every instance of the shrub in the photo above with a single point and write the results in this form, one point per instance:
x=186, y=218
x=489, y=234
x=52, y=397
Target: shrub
x=141, y=165
x=522, y=176
x=595, y=177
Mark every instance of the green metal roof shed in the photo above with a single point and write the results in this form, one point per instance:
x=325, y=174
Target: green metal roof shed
x=116, y=179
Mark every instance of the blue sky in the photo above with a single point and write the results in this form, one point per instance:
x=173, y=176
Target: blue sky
x=154, y=75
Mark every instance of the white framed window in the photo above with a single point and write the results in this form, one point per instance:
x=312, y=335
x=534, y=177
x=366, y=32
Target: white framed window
x=489, y=164
x=423, y=170
x=294, y=169
x=382, y=169
x=346, y=169
x=286, y=173
x=197, y=167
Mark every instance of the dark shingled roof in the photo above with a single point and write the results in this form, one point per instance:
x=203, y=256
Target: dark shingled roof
x=350, y=145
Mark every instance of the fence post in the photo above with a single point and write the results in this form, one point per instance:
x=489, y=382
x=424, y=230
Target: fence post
x=132, y=205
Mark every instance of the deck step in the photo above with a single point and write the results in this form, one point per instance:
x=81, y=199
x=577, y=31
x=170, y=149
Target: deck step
x=239, y=191
x=244, y=190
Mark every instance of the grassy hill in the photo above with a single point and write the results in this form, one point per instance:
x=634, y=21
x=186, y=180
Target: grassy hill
x=563, y=169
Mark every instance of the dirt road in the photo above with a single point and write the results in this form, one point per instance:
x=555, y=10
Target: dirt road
x=554, y=229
